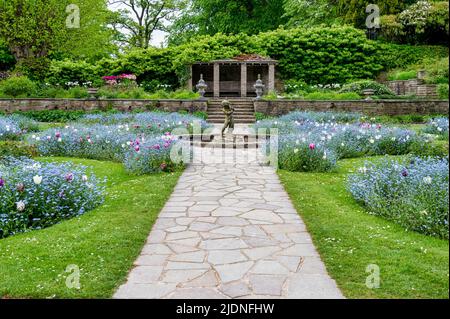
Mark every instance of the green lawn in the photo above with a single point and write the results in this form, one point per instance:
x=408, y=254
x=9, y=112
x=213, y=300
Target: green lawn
x=102, y=243
x=411, y=265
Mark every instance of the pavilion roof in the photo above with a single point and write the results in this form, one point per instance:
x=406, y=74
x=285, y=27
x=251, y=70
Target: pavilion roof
x=243, y=58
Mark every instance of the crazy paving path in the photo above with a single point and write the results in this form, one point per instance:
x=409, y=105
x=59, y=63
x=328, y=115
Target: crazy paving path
x=229, y=231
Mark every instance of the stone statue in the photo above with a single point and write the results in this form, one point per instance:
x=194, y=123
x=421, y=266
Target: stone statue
x=228, y=110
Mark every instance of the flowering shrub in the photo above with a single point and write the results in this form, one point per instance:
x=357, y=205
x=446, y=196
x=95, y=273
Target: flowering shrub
x=300, y=156
x=152, y=156
x=12, y=127
x=9, y=129
x=36, y=195
x=148, y=122
x=337, y=140
x=438, y=126
x=118, y=79
x=413, y=194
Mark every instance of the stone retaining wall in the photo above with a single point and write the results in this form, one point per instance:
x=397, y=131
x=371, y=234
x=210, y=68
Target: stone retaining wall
x=274, y=108
x=12, y=105
x=374, y=107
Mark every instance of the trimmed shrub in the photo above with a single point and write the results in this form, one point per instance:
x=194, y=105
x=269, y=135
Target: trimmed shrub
x=17, y=87
x=359, y=86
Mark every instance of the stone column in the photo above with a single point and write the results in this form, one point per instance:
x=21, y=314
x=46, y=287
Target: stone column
x=271, y=84
x=190, y=84
x=244, y=80
x=216, y=80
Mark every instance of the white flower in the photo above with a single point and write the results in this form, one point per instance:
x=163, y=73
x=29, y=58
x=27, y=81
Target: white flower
x=427, y=180
x=342, y=144
x=325, y=155
x=296, y=151
x=363, y=169
x=439, y=129
x=372, y=141
x=20, y=206
x=377, y=137
x=84, y=178
x=393, y=139
x=37, y=179
x=59, y=140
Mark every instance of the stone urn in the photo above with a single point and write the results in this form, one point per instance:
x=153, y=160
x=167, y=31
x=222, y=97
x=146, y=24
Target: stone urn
x=92, y=93
x=259, y=88
x=201, y=87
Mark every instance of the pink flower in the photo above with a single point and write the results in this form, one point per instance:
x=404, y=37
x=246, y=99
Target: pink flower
x=137, y=148
x=156, y=147
x=58, y=134
x=2, y=182
x=163, y=166
x=69, y=177
x=312, y=146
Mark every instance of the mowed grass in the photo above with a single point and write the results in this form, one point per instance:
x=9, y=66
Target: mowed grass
x=349, y=239
x=103, y=243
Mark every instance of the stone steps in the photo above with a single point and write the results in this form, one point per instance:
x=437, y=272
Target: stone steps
x=244, y=111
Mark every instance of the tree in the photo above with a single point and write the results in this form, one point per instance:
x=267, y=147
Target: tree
x=315, y=12
x=309, y=12
x=141, y=18
x=208, y=17
x=34, y=30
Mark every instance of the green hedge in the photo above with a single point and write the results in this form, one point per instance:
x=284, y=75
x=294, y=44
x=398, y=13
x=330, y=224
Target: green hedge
x=316, y=55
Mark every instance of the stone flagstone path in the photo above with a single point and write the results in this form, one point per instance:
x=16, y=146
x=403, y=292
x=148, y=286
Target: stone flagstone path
x=229, y=231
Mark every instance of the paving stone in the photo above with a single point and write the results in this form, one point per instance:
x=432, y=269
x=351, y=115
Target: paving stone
x=260, y=253
x=151, y=260
x=311, y=286
x=145, y=274
x=195, y=257
x=156, y=237
x=235, y=289
x=209, y=279
x=263, y=215
x=144, y=291
x=181, y=276
x=300, y=250
x=159, y=249
x=181, y=235
x=269, y=267
x=221, y=244
x=267, y=284
x=228, y=230
x=232, y=221
x=232, y=272
x=199, y=226
x=196, y=293
x=220, y=257
x=173, y=265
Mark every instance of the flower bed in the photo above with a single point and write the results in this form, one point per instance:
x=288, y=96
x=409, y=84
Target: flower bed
x=413, y=194
x=36, y=195
x=142, y=141
x=333, y=140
